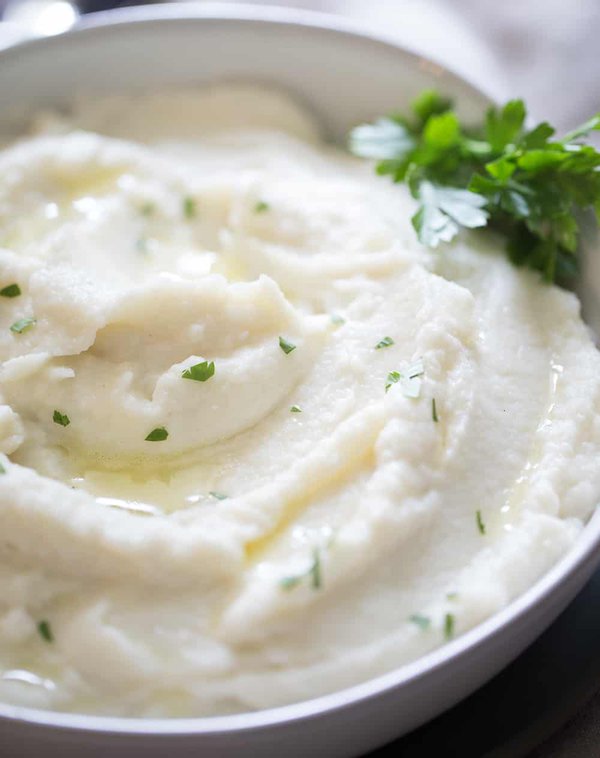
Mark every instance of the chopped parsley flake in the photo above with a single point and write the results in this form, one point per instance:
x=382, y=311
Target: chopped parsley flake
x=385, y=342
x=410, y=379
x=218, y=495
x=61, y=418
x=147, y=209
x=22, y=325
x=415, y=371
x=200, y=372
x=337, y=319
x=449, y=626
x=480, y=524
x=189, y=207
x=289, y=582
x=286, y=346
x=392, y=378
x=295, y=409
x=314, y=572
x=157, y=435
x=423, y=622
x=11, y=290
x=434, y=414
x=45, y=631
x=261, y=207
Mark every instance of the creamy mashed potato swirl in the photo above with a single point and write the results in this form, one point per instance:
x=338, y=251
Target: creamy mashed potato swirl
x=258, y=444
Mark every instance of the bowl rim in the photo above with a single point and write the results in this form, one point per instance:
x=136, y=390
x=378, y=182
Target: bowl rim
x=582, y=558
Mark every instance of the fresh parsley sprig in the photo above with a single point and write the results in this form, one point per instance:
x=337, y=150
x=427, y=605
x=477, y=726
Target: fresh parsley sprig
x=522, y=182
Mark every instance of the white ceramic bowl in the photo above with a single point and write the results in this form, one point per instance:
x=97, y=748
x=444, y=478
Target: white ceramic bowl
x=344, y=77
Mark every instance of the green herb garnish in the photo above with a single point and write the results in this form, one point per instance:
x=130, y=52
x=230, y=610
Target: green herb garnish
x=261, y=207
x=409, y=379
x=385, y=342
x=392, y=378
x=434, y=414
x=157, y=435
x=286, y=346
x=480, y=524
x=449, y=626
x=423, y=622
x=200, y=372
x=337, y=319
x=45, y=631
x=218, y=495
x=11, y=290
x=22, y=325
x=148, y=209
x=295, y=409
x=314, y=572
x=61, y=418
x=523, y=183
x=289, y=582
x=189, y=207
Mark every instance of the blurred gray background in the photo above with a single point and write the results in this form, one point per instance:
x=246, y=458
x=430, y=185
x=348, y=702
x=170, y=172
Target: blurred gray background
x=543, y=50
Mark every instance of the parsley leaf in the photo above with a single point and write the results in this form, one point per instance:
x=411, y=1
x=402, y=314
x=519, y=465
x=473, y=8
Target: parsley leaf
x=22, y=325
x=11, y=290
x=525, y=184
x=423, y=622
x=295, y=409
x=261, y=207
x=200, y=372
x=434, y=413
x=385, y=342
x=286, y=346
x=61, y=418
x=218, y=495
x=392, y=378
x=157, y=435
x=289, y=582
x=189, y=208
x=314, y=573
x=384, y=139
x=410, y=379
x=480, y=524
x=502, y=127
x=444, y=210
x=45, y=631
x=429, y=103
x=449, y=623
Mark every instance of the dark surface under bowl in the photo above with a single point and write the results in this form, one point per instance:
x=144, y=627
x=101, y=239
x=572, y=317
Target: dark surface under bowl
x=526, y=703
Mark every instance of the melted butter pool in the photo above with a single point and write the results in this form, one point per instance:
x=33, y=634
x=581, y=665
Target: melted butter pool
x=154, y=491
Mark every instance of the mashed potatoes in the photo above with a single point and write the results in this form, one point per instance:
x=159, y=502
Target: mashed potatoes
x=257, y=444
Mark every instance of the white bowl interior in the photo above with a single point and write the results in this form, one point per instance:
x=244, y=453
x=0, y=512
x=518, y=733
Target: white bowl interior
x=343, y=78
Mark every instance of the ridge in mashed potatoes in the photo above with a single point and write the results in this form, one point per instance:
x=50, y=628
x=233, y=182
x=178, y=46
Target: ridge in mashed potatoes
x=257, y=444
